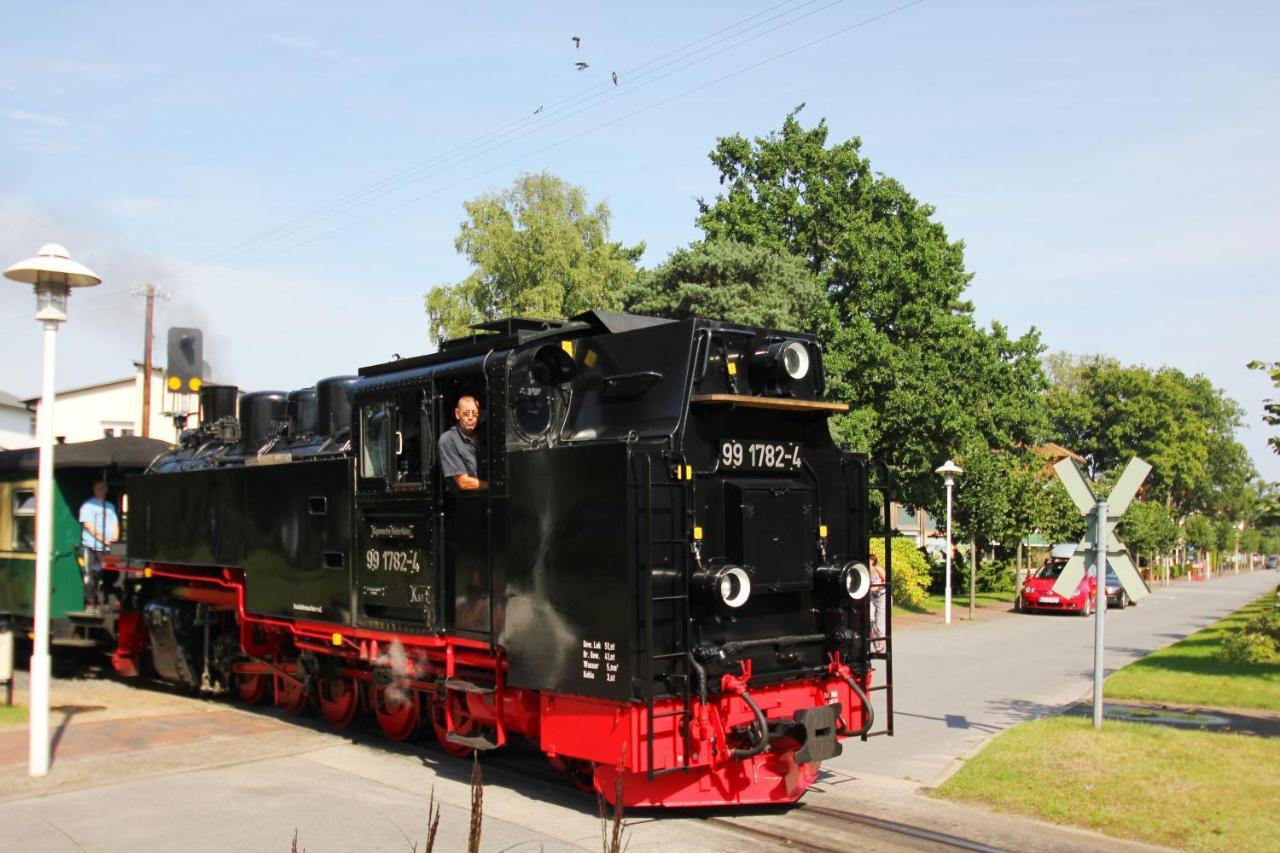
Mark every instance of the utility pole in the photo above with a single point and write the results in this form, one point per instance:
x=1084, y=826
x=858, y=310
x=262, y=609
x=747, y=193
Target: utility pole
x=150, y=291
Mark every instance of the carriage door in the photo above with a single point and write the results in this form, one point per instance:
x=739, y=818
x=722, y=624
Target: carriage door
x=397, y=582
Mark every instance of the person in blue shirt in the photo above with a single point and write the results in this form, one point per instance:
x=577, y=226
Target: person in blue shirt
x=101, y=527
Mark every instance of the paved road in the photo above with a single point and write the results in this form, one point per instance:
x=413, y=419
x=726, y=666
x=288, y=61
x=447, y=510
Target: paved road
x=958, y=686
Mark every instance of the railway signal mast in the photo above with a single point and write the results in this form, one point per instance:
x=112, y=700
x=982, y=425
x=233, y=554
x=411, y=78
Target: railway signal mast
x=1101, y=547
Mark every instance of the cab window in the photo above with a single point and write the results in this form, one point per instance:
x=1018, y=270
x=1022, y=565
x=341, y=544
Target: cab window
x=375, y=440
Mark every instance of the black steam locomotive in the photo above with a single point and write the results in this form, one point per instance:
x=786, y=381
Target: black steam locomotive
x=664, y=578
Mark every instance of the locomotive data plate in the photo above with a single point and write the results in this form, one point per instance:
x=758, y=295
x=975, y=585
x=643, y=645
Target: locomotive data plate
x=759, y=455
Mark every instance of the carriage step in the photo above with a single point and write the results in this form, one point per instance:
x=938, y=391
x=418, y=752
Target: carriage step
x=93, y=618
x=76, y=642
x=478, y=742
x=464, y=686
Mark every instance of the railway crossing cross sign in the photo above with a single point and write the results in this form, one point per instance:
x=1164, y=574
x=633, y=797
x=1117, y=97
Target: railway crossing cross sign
x=1086, y=552
x=1101, y=547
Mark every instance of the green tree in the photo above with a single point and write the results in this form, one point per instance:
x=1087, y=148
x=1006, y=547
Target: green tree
x=1182, y=425
x=1148, y=528
x=1270, y=408
x=1198, y=531
x=539, y=250
x=923, y=380
x=733, y=281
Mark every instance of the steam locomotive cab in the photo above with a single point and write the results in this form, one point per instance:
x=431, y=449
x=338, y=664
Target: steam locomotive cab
x=663, y=582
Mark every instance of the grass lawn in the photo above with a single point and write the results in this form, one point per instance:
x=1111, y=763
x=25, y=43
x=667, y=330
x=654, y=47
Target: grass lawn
x=959, y=601
x=12, y=715
x=1190, y=672
x=1187, y=789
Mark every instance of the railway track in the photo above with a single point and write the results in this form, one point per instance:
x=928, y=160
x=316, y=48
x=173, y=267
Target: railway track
x=819, y=829
x=802, y=827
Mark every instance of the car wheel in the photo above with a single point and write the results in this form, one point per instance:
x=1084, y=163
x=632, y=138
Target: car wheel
x=1120, y=605
x=1088, y=608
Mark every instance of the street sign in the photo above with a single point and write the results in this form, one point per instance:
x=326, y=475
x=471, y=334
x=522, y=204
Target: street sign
x=1101, y=546
x=1117, y=555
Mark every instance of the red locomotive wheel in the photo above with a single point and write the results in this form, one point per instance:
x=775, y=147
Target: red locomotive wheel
x=289, y=695
x=581, y=773
x=339, y=700
x=397, y=711
x=252, y=689
x=463, y=724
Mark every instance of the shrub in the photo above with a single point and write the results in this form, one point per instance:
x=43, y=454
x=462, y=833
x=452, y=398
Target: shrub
x=1267, y=624
x=910, y=570
x=1248, y=647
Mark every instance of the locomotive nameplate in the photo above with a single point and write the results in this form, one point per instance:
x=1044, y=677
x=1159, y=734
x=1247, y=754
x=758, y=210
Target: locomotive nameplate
x=760, y=455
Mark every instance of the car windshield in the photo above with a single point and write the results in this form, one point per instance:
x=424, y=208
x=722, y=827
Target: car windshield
x=1052, y=569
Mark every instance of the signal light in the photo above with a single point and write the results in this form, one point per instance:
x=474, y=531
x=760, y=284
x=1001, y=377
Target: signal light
x=185, y=367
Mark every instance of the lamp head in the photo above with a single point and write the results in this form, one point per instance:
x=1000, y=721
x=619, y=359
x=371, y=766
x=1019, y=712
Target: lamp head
x=948, y=469
x=53, y=274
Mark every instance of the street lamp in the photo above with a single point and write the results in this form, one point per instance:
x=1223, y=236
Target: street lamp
x=53, y=274
x=949, y=471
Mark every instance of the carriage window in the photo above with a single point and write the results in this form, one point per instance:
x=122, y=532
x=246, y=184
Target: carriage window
x=375, y=440
x=24, y=520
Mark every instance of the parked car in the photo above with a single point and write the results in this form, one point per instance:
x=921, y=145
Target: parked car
x=1037, y=591
x=1273, y=561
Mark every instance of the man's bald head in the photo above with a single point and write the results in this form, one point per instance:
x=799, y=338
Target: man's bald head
x=468, y=413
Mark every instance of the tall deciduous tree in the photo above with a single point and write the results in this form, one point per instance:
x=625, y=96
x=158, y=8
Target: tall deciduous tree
x=922, y=378
x=1182, y=425
x=539, y=250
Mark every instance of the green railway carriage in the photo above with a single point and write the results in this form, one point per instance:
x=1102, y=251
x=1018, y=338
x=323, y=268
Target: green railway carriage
x=75, y=468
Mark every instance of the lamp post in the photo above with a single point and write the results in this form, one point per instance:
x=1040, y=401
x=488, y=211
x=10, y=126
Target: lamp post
x=53, y=274
x=949, y=471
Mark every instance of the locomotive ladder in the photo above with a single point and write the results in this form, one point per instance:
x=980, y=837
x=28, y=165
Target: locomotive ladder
x=885, y=487
x=679, y=601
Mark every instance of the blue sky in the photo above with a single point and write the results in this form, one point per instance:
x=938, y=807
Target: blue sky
x=1111, y=166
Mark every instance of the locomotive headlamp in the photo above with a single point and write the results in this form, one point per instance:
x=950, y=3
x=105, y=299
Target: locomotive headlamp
x=729, y=586
x=782, y=361
x=852, y=581
x=793, y=358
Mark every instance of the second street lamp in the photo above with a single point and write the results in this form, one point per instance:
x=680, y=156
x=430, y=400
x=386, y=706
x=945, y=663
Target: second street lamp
x=949, y=471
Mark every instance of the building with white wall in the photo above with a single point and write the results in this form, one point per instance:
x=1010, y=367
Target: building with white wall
x=17, y=423
x=115, y=408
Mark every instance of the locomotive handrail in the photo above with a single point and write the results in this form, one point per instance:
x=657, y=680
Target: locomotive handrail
x=786, y=403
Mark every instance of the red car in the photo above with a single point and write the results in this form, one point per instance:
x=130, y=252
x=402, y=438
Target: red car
x=1037, y=592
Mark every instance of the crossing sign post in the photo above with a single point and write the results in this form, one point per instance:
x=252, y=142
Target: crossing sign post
x=1100, y=548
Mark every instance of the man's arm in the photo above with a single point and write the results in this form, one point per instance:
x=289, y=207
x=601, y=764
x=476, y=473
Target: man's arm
x=467, y=483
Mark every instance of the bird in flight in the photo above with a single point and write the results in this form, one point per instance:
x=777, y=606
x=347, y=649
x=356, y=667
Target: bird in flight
x=615, y=78
x=577, y=42
x=538, y=110
x=581, y=66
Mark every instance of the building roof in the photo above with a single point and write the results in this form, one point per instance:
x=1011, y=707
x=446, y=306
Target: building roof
x=124, y=452
x=127, y=380
x=9, y=401
x=1055, y=452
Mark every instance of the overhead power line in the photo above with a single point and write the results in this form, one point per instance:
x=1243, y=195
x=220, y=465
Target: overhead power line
x=575, y=136
x=390, y=183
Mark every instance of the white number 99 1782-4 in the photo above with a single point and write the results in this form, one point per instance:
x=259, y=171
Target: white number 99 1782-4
x=773, y=455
